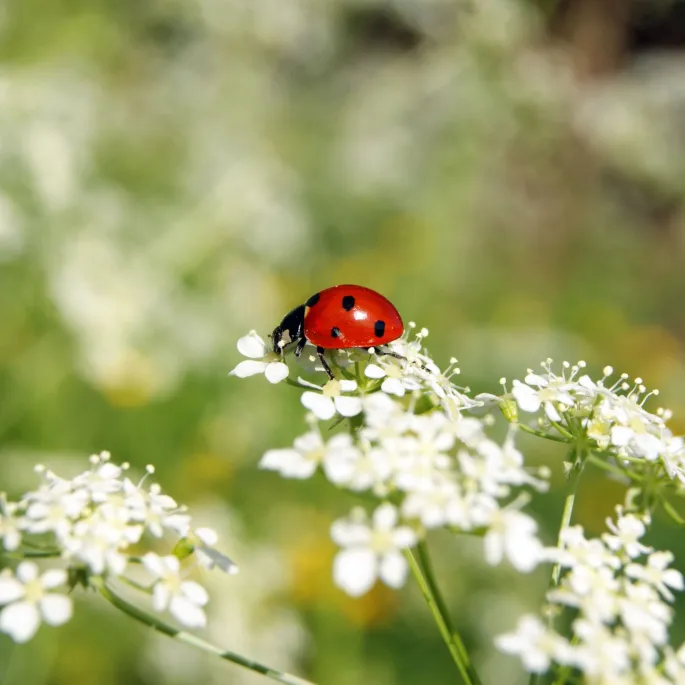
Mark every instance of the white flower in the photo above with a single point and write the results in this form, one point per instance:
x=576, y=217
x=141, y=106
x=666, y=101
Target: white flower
x=512, y=534
x=299, y=461
x=576, y=550
x=371, y=552
x=183, y=598
x=537, y=645
x=10, y=534
x=622, y=622
x=53, y=508
x=537, y=391
x=643, y=612
x=156, y=511
x=602, y=654
x=204, y=541
x=656, y=573
x=98, y=544
x=436, y=505
x=330, y=400
x=102, y=480
x=673, y=455
x=595, y=590
x=627, y=532
x=261, y=360
x=29, y=601
x=396, y=379
x=345, y=464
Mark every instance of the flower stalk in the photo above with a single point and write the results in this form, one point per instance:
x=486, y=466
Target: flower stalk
x=185, y=637
x=455, y=644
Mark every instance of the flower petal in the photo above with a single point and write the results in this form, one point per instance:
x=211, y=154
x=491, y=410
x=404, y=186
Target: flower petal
x=348, y=406
x=187, y=613
x=385, y=517
x=289, y=463
x=347, y=534
x=322, y=407
x=160, y=596
x=248, y=368
x=56, y=609
x=393, y=386
x=252, y=345
x=374, y=371
x=276, y=372
x=526, y=398
x=10, y=589
x=212, y=558
x=27, y=571
x=20, y=621
x=207, y=535
x=53, y=578
x=195, y=592
x=393, y=569
x=354, y=571
x=153, y=563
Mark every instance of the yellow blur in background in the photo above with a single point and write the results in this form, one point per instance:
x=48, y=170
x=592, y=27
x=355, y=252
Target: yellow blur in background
x=510, y=173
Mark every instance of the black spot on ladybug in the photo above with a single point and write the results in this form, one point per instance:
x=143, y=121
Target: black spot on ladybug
x=335, y=332
x=312, y=300
x=379, y=328
x=348, y=302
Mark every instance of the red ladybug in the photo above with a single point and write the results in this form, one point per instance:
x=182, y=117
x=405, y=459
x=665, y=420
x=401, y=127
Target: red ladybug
x=337, y=318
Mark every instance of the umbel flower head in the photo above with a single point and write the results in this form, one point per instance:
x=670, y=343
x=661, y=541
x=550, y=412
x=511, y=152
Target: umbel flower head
x=620, y=589
x=411, y=446
x=611, y=413
x=89, y=524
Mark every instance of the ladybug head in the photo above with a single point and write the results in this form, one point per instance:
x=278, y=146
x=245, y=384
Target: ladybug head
x=289, y=330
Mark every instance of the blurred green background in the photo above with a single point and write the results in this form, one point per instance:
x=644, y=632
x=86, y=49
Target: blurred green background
x=174, y=173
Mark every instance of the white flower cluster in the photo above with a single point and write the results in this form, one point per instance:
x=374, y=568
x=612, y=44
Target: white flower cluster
x=620, y=590
x=411, y=446
x=91, y=522
x=610, y=414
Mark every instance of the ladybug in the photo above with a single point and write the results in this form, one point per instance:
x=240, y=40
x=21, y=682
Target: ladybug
x=337, y=318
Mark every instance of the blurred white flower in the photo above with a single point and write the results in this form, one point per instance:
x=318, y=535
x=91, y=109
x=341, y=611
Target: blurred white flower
x=512, y=534
x=626, y=534
x=657, y=574
x=183, y=598
x=204, y=540
x=10, y=533
x=535, y=644
x=28, y=600
x=371, y=552
x=262, y=359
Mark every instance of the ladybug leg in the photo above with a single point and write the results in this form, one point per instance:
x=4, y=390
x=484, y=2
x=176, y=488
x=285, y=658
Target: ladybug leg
x=327, y=369
x=300, y=346
x=390, y=353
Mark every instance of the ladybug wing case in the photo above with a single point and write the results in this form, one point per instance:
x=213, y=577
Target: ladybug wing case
x=351, y=316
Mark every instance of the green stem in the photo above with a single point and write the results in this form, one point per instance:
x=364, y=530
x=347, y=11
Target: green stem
x=541, y=434
x=562, y=430
x=32, y=554
x=569, y=501
x=423, y=574
x=182, y=636
x=671, y=511
x=574, y=479
x=611, y=468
